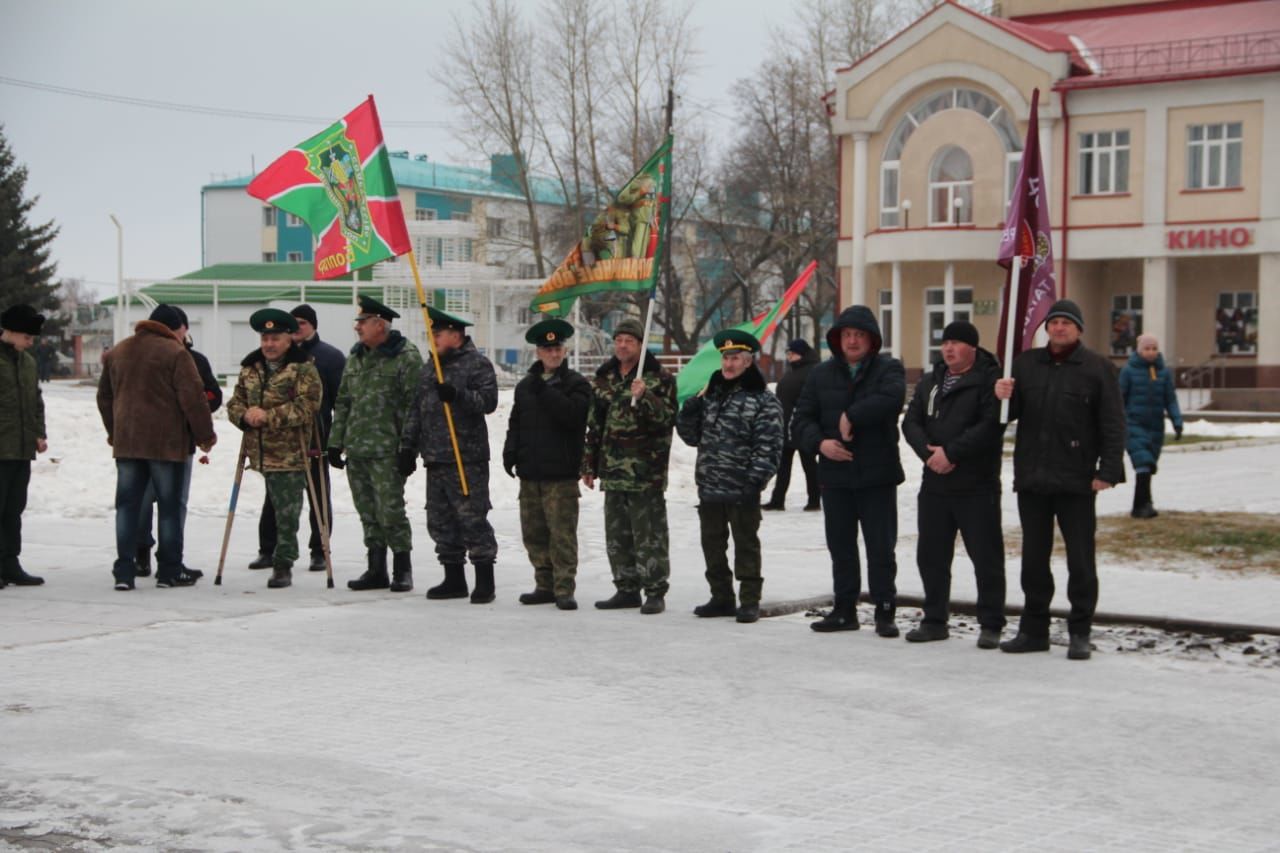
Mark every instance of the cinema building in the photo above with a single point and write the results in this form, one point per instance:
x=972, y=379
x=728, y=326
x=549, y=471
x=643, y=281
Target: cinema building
x=1160, y=131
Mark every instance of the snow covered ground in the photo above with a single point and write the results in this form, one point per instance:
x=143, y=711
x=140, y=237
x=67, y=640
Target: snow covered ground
x=237, y=718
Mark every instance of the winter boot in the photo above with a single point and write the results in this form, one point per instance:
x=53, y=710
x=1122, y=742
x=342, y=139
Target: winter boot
x=653, y=605
x=1022, y=643
x=263, y=561
x=401, y=573
x=566, y=602
x=715, y=607
x=375, y=576
x=483, y=593
x=281, y=576
x=773, y=505
x=538, y=596
x=749, y=613
x=142, y=562
x=885, y=626
x=620, y=600
x=317, y=563
x=1080, y=647
x=989, y=638
x=1142, y=507
x=836, y=621
x=928, y=632
x=454, y=584
x=15, y=575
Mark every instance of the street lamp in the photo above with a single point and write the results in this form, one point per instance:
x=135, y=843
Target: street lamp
x=121, y=320
x=906, y=214
x=957, y=204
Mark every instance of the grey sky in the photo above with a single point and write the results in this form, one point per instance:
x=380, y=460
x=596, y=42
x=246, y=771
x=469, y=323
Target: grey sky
x=89, y=158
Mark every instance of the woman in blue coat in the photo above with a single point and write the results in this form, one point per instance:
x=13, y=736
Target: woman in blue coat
x=1147, y=387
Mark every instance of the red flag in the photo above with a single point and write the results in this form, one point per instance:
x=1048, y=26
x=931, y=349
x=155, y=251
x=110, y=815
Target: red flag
x=1027, y=233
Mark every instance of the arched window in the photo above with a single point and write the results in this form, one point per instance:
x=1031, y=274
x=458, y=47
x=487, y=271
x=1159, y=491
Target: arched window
x=951, y=187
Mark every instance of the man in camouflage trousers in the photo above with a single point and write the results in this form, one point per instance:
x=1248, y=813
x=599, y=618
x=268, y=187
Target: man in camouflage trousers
x=628, y=448
x=736, y=424
x=457, y=523
x=544, y=449
x=275, y=401
x=372, y=406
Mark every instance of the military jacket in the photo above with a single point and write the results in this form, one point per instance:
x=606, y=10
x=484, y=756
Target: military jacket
x=628, y=447
x=737, y=428
x=21, y=405
x=425, y=428
x=375, y=397
x=291, y=396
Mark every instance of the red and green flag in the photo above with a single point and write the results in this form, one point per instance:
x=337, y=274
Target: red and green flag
x=339, y=182
x=623, y=246
x=695, y=375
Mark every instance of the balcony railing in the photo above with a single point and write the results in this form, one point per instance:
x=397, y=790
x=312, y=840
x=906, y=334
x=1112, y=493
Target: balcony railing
x=1186, y=56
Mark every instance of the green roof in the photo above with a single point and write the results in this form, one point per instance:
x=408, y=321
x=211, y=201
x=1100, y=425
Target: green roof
x=288, y=271
x=255, y=283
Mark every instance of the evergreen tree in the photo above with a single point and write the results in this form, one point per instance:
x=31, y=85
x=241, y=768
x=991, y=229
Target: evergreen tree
x=26, y=273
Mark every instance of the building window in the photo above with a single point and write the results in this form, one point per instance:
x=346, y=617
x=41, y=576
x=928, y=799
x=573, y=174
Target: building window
x=886, y=321
x=889, y=212
x=936, y=319
x=269, y=217
x=951, y=180
x=524, y=316
x=1104, y=162
x=424, y=214
x=1236, y=323
x=294, y=257
x=493, y=226
x=1012, y=163
x=293, y=221
x=460, y=216
x=528, y=270
x=523, y=229
x=457, y=301
x=268, y=257
x=1214, y=155
x=1126, y=322
x=498, y=312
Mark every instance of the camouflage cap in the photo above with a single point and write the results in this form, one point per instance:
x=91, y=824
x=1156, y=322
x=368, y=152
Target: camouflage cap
x=736, y=340
x=630, y=326
x=444, y=320
x=370, y=307
x=549, y=333
x=273, y=321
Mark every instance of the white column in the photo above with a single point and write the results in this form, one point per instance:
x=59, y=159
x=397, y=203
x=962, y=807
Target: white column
x=1159, y=305
x=1154, y=169
x=1046, y=161
x=896, y=284
x=948, y=295
x=859, y=296
x=1269, y=310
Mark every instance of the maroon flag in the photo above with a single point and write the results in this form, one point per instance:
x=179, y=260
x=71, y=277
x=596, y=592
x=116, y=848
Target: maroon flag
x=1027, y=233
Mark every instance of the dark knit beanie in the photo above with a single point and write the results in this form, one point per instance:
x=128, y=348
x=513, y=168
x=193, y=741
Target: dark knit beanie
x=22, y=319
x=167, y=315
x=1066, y=308
x=800, y=347
x=962, y=331
x=306, y=312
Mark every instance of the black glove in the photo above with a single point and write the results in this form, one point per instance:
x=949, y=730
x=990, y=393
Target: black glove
x=446, y=392
x=335, y=458
x=1177, y=433
x=406, y=462
x=510, y=468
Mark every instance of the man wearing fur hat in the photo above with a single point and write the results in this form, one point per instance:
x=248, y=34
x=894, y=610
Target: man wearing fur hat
x=628, y=449
x=1069, y=447
x=848, y=414
x=736, y=424
x=275, y=403
x=22, y=433
x=153, y=405
x=953, y=425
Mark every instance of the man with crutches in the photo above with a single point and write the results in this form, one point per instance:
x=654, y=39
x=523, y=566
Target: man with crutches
x=275, y=402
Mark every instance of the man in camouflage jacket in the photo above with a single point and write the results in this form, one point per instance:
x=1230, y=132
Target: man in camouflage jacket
x=373, y=404
x=628, y=448
x=457, y=523
x=275, y=402
x=736, y=424
x=22, y=433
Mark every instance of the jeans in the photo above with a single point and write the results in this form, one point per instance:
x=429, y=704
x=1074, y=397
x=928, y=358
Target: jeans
x=145, y=539
x=132, y=478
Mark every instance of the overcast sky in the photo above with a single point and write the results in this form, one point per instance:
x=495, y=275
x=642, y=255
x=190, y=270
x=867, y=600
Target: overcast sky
x=88, y=158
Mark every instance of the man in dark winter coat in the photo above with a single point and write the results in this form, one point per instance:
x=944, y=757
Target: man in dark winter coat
x=154, y=408
x=628, y=449
x=457, y=523
x=953, y=425
x=328, y=361
x=736, y=424
x=801, y=358
x=848, y=414
x=544, y=449
x=22, y=433
x=1069, y=447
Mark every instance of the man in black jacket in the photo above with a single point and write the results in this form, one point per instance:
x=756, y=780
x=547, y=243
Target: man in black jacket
x=848, y=413
x=329, y=362
x=1070, y=446
x=800, y=360
x=953, y=425
x=544, y=449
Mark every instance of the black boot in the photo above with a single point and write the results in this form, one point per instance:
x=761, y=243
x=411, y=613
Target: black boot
x=281, y=576
x=374, y=577
x=454, y=584
x=401, y=573
x=885, y=626
x=483, y=593
x=716, y=607
x=317, y=563
x=620, y=601
x=1079, y=648
x=15, y=575
x=836, y=621
x=263, y=561
x=1023, y=643
x=1142, y=507
x=142, y=562
x=538, y=596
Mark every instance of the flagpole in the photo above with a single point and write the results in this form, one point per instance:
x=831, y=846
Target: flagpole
x=665, y=225
x=1015, y=276
x=435, y=360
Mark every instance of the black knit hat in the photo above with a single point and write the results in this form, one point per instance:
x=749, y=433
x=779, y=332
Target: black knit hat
x=22, y=319
x=1066, y=308
x=800, y=347
x=168, y=316
x=962, y=331
x=306, y=312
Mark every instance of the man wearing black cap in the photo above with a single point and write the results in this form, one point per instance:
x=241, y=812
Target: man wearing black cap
x=801, y=358
x=1069, y=447
x=544, y=449
x=953, y=425
x=848, y=414
x=374, y=401
x=736, y=424
x=328, y=361
x=275, y=402
x=22, y=433
x=154, y=408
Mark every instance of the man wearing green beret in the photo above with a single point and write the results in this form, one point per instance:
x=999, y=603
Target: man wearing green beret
x=736, y=424
x=458, y=523
x=275, y=403
x=544, y=449
x=373, y=403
